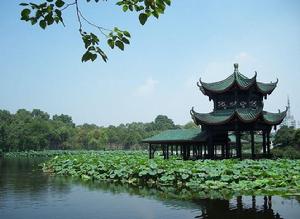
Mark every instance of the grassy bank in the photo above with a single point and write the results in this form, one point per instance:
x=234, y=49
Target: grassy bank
x=218, y=179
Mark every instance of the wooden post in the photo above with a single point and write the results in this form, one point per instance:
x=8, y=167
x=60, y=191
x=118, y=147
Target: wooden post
x=238, y=145
x=210, y=146
x=172, y=151
x=227, y=149
x=252, y=144
x=223, y=151
x=201, y=151
x=150, y=151
x=176, y=149
x=181, y=150
x=188, y=151
x=264, y=143
x=167, y=147
x=268, y=143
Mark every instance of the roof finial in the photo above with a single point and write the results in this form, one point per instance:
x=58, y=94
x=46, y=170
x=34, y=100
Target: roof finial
x=236, y=67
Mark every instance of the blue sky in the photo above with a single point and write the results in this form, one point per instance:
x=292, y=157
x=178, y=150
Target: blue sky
x=157, y=73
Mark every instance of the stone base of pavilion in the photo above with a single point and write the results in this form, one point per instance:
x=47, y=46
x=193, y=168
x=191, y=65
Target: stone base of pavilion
x=192, y=144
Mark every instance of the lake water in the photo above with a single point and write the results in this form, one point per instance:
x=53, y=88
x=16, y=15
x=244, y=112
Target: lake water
x=26, y=192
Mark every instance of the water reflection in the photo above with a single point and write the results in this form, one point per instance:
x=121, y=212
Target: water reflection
x=26, y=192
x=239, y=207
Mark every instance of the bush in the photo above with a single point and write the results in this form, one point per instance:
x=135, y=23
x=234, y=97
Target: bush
x=286, y=152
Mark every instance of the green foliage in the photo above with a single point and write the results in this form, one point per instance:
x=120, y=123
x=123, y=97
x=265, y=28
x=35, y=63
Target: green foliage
x=221, y=179
x=51, y=11
x=286, y=152
x=35, y=130
x=190, y=125
x=284, y=136
x=287, y=143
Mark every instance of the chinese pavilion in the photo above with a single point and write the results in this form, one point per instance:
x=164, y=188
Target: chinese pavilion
x=238, y=108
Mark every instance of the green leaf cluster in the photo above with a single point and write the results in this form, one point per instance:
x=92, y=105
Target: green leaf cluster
x=145, y=8
x=118, y=38
x=50, y=12
x=91, y=42
x=44, y=14
x=209, y=178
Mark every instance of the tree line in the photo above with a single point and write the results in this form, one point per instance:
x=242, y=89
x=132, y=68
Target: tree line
x=287, y=143
x=36, y=130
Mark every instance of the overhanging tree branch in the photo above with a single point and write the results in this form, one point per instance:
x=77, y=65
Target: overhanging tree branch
x=50, y=12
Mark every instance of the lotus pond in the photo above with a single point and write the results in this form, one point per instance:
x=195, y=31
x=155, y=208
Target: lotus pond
x=98, y=190
x=222, y=179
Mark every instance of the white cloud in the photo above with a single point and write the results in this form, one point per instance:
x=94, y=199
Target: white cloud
x=147, y=88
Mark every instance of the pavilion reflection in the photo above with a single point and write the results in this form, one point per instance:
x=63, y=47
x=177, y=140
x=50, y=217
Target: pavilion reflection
x=236, y=208
x=248, y=207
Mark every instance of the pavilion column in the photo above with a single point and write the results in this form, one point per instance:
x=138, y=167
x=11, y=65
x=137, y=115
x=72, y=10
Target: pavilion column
x=172, y=151
x=264, y=143
x=150, y=151
x=252, y=144
x=181, y=150
x=210, y=147
x=184, y=152
x=268, y=143
x=165, y=151
x=188, y=151
x=176, y=150
x=227, y=149
x=167, y=147
x=238, y=145
x=223, y=151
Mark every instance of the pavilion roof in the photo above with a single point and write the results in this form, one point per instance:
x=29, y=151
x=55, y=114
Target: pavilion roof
x=178, y=136
x=245, y=115
x=237, y=78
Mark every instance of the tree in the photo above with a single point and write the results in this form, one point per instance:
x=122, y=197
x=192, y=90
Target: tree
x=284, y=136
x=190, y=125
x=297, y=138
x=64, y=118
x=51, y=12
x=5, y=120
x=162, y=122
x=40, y=114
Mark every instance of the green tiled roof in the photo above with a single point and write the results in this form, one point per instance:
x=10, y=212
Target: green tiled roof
x=178, y=136
x=245, y=115
x=274, y=118
x=240, y=80
x=266, y=88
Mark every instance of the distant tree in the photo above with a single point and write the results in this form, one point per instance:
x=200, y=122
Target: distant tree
x=284, y=136
x=297, y=138
x=49, y=12
x=190, y=125
x=5, y=120
x=162, y=122
x=35, y=130
x=37, y=113
x=65, y=119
